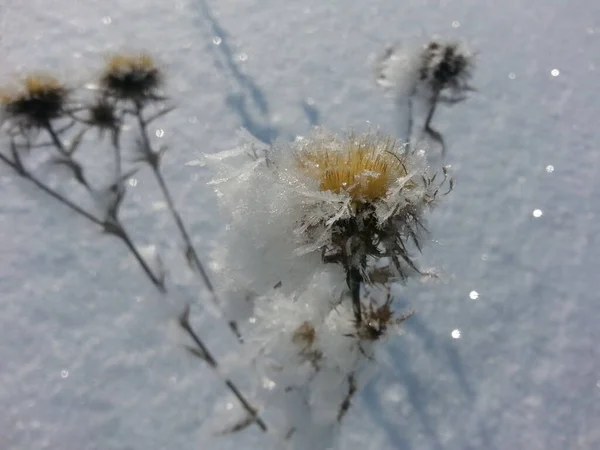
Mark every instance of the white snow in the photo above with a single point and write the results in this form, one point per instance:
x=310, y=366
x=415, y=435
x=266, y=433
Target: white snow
x=526, y=369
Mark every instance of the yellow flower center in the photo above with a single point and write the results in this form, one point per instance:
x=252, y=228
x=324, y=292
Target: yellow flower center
x=363, y=166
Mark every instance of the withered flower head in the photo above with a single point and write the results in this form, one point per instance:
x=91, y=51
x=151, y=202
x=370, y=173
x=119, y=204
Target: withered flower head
x=447, y=66
x=132, y=77
x=102, y=114
x=350, y=199
x=380, y=189
x=40, y=99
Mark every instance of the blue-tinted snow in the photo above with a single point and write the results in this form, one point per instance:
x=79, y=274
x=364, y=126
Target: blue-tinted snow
x=87, y=359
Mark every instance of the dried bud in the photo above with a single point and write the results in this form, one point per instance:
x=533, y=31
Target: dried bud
x=447, y=66
x=132, y=77
x=102, y=115
x=438, y=68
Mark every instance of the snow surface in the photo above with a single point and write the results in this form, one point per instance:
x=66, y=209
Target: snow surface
x=87, y=356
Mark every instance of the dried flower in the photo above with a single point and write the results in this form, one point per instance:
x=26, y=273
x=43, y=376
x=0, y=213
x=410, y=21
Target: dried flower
x=102, y=114
x=40, y=99
x=438, y=72
x=439, y=67
x=351, y=200
x=379, y=192
x=132, y=77
x=447, y=67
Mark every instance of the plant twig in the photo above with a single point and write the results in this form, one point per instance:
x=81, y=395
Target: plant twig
x=354, y=280
x=20, y=170
x=153, y=159
x=205, y=354
x=427, y=129
x=67, y=155
x=345, y=406
x=113, y=226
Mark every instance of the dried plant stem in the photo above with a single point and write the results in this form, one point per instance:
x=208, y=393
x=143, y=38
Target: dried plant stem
x=211, y=361
x=56, y=141
x=153, y=159
x=427, y=129
x=352, y=389
x=67, y=154
x=20, y=170
x=113, y=226
x=120, y=232
x=354, y=280
x=118, y=157
x=409, y=125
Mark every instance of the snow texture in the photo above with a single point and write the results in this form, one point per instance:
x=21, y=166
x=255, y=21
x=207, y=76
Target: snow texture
x=502, y=353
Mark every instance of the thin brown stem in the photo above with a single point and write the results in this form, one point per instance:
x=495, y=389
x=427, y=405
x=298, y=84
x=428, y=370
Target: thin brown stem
x=17, y=167
x=153, y=160
x=157, y=281
x=212, y=362
x=116, y=143
x=427, y=129
x=347, y=402
x=65, y=153
x=354, y=279
x=115, y=228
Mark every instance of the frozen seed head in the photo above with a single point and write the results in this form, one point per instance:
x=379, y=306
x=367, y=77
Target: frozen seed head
x=40, y=99
x=447, y=66
x=355, y=200
x=132, y=77
x=363, y=166
x=102, y=115
x=380, y=192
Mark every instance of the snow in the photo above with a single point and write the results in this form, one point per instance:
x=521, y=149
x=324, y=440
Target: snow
x=525, y=371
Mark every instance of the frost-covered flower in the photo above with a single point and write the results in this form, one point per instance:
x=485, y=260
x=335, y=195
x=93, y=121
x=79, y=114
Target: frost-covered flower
x=355, y=200
x=317, y=230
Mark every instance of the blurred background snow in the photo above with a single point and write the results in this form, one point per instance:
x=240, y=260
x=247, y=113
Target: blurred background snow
x=502, y=353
